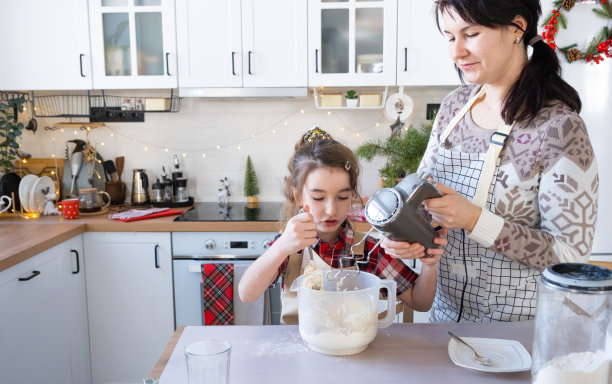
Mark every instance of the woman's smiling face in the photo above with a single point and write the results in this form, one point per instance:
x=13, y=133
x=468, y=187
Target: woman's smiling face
x=327, y=193
x=484, y=55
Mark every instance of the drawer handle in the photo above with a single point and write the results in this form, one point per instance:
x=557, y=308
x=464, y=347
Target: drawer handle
x=76, y=254
x=33, y=275
x=81, y=64
x=233, y=69
x=250, y=73
x=156, y=262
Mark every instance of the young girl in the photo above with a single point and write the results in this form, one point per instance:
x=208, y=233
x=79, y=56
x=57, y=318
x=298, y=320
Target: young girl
x=321, y=184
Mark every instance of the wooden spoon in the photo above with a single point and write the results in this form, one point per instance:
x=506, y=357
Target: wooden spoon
x=119, y=162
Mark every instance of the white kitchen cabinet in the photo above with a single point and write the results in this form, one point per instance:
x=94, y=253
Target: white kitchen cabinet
x=352, y=42
x=129, y=299
x=45, y=45
x=43, y=325
x=133, y=44
x=422, y=51
x=241, y=43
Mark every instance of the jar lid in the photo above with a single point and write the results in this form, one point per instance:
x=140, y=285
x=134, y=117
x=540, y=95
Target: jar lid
x=578, y=277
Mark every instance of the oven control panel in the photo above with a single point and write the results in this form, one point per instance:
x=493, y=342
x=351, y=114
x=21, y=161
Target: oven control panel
x=220, y=244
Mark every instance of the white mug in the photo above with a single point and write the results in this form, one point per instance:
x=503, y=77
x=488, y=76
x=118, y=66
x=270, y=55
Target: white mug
x=4, y=208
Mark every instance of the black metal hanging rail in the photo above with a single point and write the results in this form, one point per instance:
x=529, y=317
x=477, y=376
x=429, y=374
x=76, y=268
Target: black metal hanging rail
x=102, y=107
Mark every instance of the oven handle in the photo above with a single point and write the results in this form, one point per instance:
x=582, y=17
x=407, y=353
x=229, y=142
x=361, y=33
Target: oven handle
x=197, y=267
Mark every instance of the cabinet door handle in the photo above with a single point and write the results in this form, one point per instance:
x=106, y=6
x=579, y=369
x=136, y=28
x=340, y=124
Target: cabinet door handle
x=250, y=62
x=33, y=275
x=156, y=261
x=316, y=61
x=233, y=69
x=76, y=254
x=81, y=64
x=405, y=59
x=167, y=64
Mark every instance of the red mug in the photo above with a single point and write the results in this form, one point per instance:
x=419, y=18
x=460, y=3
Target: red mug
x=70, y=208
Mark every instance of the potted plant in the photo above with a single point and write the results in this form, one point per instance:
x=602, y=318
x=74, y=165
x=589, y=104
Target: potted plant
x=403, y=151
x=10, y=130
x=351, y=98
x=251, y=189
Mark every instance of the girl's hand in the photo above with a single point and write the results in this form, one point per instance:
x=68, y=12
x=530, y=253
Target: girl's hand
x=300, y=232
x=452, y=210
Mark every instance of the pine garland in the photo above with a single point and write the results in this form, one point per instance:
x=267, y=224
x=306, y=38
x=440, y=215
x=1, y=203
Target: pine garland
x=403, y=151
x=600, y=45
x=251, y=187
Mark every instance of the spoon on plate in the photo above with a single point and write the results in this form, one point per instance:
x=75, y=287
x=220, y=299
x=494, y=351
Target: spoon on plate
x=482, y=360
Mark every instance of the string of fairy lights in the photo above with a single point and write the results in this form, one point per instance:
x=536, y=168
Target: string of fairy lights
x=98, y=140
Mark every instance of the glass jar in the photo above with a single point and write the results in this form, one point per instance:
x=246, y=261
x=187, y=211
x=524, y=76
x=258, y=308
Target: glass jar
x=573, y=327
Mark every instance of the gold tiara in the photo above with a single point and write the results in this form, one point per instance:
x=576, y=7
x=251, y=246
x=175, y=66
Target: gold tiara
x=316, y=133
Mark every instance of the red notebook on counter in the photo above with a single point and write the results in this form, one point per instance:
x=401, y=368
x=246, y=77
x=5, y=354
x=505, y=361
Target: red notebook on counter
x=143, y=214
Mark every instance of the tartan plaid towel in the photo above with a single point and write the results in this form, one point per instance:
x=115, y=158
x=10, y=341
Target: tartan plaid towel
x=217, y=297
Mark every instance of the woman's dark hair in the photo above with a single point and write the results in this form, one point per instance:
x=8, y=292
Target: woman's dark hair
x=312, y=153
x=540, y=81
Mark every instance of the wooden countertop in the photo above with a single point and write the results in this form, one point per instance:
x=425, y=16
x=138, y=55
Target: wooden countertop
x=23, y=238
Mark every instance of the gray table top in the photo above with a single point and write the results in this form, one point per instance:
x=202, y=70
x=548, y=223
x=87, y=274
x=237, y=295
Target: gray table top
x=400, y=353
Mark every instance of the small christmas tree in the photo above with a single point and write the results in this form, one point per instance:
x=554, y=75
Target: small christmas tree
x=250, y=180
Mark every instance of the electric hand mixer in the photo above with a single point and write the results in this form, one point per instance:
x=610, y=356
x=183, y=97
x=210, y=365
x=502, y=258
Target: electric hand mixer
x=398, y=213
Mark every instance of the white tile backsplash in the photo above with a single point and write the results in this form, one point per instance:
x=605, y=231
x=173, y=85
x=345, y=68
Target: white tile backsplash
x=204, y=123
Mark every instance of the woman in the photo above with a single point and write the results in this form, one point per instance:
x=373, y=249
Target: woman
x=514, y=163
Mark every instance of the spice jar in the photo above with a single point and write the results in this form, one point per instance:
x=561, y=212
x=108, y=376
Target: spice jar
x=573, y=327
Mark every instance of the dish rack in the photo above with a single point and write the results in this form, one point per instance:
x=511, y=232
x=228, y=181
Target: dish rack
x=102, y=107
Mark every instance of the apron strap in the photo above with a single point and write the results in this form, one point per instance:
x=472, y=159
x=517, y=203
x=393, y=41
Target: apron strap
x=496, y=144
x=457, y=118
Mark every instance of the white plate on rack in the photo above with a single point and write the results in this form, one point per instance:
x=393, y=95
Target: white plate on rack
x=25, y=186
x=507, y=355
x=37, y=197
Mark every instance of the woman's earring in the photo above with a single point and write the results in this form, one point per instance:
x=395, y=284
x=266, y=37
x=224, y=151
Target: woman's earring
x=518, y=39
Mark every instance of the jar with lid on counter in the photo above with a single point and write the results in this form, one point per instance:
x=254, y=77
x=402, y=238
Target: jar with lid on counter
x=573, y=327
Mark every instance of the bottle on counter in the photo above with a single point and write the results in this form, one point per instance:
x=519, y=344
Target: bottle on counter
x=158, y=191
x=177, y=173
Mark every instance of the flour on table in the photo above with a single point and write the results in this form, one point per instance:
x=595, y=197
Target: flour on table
x=580, y=367
x=285, y=346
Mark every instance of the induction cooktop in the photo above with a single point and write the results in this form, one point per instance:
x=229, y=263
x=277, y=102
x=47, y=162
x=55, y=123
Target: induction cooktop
x=267, y=211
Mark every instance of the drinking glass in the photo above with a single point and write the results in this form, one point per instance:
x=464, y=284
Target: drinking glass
x=208, y=362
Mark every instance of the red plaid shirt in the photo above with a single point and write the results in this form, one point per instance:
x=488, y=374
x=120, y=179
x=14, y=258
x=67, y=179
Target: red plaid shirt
x=380, y=264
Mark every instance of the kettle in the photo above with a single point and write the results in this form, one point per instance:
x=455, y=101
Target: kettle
x=398, y=212
x=140, y=187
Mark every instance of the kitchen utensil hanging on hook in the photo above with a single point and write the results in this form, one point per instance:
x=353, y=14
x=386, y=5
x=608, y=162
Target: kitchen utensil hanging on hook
x=399, y=107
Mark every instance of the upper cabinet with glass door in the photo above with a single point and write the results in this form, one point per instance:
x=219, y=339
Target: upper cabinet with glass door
x=422, y=51
x=352, y=42
x=133, y=44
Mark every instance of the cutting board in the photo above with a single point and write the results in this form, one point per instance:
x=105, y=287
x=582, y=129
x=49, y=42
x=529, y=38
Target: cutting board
x=52, y=167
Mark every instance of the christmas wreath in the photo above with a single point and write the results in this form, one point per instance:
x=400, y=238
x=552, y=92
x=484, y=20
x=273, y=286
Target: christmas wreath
x=599, y=45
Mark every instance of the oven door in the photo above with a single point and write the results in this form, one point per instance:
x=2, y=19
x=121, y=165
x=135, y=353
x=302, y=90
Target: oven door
x=188, y=294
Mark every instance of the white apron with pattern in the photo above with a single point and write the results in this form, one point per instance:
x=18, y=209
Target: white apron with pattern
x=475, y=283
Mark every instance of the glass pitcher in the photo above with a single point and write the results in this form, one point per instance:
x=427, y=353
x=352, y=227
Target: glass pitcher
x=573, y=327
x=90, y=200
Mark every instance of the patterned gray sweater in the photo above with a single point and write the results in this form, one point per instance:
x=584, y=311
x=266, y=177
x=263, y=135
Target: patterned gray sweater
x=547, y=183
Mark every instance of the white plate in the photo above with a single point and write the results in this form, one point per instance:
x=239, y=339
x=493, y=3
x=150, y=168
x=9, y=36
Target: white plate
x=37, y=197
x=25, y=186
x=507, y=355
